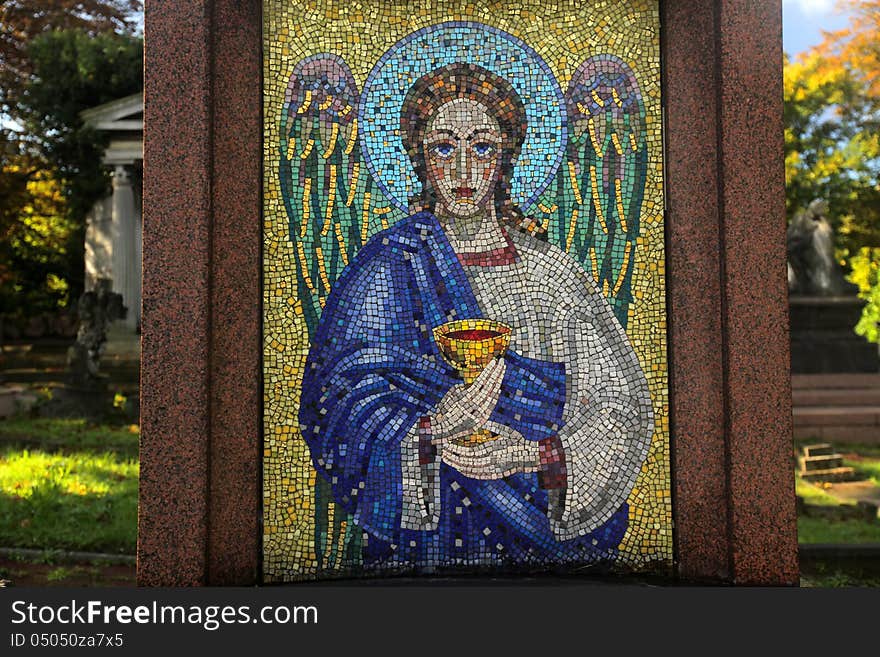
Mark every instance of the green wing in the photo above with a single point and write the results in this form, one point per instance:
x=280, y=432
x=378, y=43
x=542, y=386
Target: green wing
x=318, y=171
x=593, y=207
x=331, y=200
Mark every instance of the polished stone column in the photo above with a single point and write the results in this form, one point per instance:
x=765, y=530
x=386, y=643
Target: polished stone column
x=135, y=309
x=126, y=266
x=99, y=243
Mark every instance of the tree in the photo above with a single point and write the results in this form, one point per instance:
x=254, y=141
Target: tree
x=74, y=71
x=35, y=242
x=43, y=243
x=48, y=161
x=866, y=274
x=21, y=21
x=856, y=47
x=832, y=139
x=832, y=150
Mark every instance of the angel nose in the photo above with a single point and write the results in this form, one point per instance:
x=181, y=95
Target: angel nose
x=468, y=166
x=463, y=162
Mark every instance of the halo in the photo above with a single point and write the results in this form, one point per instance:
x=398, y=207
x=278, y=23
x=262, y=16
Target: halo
x=468, y=42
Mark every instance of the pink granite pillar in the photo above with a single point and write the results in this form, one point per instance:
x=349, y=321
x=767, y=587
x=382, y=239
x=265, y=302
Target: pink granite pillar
x=199, y=517
x=730, y=391
x=763, y=521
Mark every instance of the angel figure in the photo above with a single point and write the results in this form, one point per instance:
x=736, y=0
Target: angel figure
x=386, y=418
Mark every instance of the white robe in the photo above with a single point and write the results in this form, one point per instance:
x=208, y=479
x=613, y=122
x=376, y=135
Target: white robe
x=558, y=314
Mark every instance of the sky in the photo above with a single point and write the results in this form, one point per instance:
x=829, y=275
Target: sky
x=804, y=20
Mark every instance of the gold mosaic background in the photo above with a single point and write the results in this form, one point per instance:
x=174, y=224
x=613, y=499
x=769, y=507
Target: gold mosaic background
x=564, y=35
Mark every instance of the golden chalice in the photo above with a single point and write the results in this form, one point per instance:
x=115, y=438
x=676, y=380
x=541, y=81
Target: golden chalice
x=469, y=345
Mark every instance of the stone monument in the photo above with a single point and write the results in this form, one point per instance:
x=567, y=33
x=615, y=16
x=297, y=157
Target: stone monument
x=85, y=390
x=824, y=308
x=96, y=309
x=724, y=317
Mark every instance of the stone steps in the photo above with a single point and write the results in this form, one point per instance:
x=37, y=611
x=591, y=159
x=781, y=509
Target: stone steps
x=820, y=449
x=861, y=435
x=836, y=397
x=849, y=415
x=829, y=381
x=836, y=407
x=820, y=463
x=832, y=475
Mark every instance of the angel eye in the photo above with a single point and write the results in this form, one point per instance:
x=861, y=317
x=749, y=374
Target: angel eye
x=484, y=149
x=443, y=150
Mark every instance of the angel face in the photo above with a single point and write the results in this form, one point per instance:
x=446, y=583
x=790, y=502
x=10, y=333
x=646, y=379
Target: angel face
x=462, y=147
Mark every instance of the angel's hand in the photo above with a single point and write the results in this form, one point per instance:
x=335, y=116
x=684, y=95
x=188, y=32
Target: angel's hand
x=508, y=454
x=466, y=408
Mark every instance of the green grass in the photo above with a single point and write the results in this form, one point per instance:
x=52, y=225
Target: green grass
x=870, y=451
x=851, y=530
x=59, y=574
x=812, y=494
x=825, y=530
x=74, y=500
x=821, y=530
x=835, y=577
x=69, y=435
x=868, y=468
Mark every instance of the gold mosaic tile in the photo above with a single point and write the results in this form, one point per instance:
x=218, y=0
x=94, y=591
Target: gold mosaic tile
x=465, y=319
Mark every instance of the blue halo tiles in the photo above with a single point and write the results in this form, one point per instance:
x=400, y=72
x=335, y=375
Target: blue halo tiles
x=471, y=43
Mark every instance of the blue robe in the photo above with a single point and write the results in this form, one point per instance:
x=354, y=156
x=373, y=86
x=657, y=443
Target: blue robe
x=374, y=371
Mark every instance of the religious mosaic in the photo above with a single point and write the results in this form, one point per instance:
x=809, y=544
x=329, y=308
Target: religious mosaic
x=465, y=360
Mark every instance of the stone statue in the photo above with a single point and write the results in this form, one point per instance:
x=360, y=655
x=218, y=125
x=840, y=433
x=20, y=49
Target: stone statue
x=96, y=310
x=812, y=269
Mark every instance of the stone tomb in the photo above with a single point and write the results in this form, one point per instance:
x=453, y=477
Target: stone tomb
x=114, y=227
x=204, y=383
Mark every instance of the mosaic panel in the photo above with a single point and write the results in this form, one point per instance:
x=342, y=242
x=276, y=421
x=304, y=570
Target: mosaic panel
x=464, y=313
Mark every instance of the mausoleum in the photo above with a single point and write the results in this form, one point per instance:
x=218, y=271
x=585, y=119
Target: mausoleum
x=113, y=245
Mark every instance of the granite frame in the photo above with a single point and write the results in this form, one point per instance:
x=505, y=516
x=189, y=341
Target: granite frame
x=730, y=390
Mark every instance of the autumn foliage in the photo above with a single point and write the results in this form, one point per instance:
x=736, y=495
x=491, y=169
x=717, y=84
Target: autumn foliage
x=832, y=109
x=832, y=140
x=57, y=58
